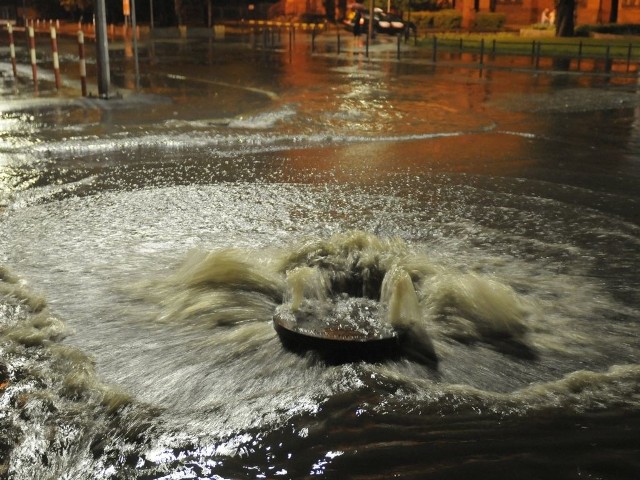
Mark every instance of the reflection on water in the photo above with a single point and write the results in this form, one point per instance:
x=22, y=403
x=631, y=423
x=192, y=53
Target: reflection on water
x=147, y=242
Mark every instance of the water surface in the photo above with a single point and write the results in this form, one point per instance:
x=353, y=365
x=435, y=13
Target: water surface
x=147, y=241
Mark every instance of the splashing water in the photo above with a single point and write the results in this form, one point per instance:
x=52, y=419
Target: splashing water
x=415, y=295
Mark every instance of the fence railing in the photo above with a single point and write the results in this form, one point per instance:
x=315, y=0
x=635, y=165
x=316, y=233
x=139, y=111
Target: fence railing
x=611, y=58
x=579, y=56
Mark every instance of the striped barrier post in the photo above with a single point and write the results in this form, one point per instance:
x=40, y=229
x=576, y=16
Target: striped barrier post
x=12, y=50
x=32, y=53
x=83, y=65
x=54, y=53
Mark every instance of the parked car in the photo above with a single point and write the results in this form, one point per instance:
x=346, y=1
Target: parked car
x=382, y=22
x=387, y=23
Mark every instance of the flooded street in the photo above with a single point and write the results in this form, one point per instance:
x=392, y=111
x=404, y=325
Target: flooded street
x=146, y=242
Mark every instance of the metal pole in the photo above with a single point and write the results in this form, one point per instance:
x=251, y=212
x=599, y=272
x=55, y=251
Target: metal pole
x=290, y=43
x=135, y=43
x=579, y=55
x=83, y=65
x=533, y=52
x=366, y=45
x=434, y=50
x=151, y=14
x=370, y=29
x=102, y=50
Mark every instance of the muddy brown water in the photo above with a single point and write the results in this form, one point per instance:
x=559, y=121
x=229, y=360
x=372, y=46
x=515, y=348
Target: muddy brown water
x=146, y=241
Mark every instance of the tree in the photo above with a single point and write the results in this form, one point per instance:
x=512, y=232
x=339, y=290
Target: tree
x=565, y=23
x=48, y=9
x=78, y=8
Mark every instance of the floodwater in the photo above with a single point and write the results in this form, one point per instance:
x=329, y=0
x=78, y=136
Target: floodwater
x=147, y=240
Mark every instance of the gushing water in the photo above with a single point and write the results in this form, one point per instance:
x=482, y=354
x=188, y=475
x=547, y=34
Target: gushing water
x=150, y=242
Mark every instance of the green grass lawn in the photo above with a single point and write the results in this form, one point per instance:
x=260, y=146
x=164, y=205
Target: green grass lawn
x=512, y=44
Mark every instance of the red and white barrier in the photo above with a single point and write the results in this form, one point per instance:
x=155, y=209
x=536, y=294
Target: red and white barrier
x=54, y=52
x=32, y=53
x=12, y=50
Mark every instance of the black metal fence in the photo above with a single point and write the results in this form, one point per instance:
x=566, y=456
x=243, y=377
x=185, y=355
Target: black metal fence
x=614, y=58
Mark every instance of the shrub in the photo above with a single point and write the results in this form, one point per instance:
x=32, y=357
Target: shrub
x=489, y=21
x=610, y=28
x=431, y=5
x=424, y=5
x=542, y=26
x=440, y=20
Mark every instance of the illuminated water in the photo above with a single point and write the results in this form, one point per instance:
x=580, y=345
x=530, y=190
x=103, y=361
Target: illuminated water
x=146, y=242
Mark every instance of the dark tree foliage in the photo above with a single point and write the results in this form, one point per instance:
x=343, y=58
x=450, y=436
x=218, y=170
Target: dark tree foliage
x=49, y=9
x=330, y=8
x=565, y=23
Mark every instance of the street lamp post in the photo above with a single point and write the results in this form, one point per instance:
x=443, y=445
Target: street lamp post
x=134, y=28
x=370, y=29
x=102, y=50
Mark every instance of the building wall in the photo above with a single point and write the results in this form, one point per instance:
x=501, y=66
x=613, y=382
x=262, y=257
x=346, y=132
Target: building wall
x=629, y=11
x=593, y=11
x=298, y=7
x=523, y=12
x=518, y=12
x=527, y=12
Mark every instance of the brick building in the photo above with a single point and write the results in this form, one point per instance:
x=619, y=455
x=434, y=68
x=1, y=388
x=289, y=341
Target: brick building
x=518, y=12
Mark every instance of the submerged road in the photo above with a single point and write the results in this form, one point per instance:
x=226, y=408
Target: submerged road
x=146, y=242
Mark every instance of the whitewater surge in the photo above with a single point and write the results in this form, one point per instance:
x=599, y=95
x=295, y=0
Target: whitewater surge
x=56, y=415
x=232, y=286
x=575, y=393
x=230, y=295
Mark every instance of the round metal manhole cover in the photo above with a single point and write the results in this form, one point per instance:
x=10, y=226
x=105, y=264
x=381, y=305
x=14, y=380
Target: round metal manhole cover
x=340, y=328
